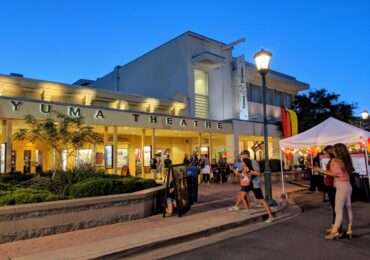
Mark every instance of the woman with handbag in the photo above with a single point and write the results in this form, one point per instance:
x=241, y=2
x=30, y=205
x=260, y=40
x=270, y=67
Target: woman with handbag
x=341, y=168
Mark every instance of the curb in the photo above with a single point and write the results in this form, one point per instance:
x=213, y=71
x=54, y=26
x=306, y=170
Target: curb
x=186, y=238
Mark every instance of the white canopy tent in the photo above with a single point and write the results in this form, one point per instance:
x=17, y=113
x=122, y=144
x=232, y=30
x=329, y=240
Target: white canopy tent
x=329, y=132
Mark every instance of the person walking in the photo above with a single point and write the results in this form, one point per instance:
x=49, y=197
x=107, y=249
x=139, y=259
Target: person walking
x=245, y=187
x=341, y=167
x=256, y=183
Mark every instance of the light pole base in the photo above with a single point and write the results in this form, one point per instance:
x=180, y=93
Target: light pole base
x=284, y=196
x=272, y=203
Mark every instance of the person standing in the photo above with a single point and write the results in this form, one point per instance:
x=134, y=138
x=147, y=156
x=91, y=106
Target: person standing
x=186, y=160
x=153, y=167
x=221, y=163
x=341, y=167
x=194, y=159
x=215, y=171
x=206, y=168
x=166, y=165
x=329, y=184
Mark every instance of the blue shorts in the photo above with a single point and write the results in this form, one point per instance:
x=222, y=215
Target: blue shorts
x=246, y=188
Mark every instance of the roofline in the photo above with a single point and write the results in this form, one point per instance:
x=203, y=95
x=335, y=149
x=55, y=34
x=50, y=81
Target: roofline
x=196, y=35
x=78, y=87
x=278, y=74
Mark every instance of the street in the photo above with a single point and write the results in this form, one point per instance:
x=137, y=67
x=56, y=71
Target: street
x=299, y=238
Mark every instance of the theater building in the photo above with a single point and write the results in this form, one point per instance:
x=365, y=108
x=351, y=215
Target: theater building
x=189, y=94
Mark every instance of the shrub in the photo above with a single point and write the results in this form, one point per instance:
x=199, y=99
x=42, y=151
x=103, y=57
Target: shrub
x=109, y=185
x=15, y=177
x=96, y=186
x=22, y=196
x=5, y=187
x=64, y=180
x=37, y=183
x=145, y=184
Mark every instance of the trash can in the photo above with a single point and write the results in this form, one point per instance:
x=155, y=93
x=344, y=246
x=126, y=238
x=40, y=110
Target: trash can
x=192, y=183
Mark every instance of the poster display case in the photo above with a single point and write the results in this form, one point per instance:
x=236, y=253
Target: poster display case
x=147, y=155
x=108, y=156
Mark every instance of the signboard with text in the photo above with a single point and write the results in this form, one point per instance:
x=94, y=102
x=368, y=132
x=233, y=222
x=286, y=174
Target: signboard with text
x=242, y=88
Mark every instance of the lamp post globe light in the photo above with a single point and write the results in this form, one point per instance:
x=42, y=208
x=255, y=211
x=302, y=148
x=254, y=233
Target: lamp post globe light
x=262, y=59
x=364, y=115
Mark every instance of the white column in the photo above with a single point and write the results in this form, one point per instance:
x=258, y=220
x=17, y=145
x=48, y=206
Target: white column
x=210, y=146
x=106, y=132
x=115, y=146
x=153, y=142
x=8, y=140
x=142, y=152
x=232, y=146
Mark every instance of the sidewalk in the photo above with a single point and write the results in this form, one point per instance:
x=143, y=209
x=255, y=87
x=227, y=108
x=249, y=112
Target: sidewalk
x=210, y=215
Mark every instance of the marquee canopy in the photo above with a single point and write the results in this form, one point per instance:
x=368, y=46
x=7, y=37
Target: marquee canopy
x=331, y=131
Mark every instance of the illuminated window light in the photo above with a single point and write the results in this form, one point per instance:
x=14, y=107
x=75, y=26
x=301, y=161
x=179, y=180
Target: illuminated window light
x=46, y=95
x=86, y=100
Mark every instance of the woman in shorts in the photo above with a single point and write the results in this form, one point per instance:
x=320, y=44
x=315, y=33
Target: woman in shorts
x=245, y=187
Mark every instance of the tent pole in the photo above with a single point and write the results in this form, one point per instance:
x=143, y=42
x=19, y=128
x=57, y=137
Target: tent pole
x=311, y=162
x=282, y=175
x=367, y=163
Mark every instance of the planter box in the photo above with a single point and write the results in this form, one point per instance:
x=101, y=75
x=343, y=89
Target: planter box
x=46, y=218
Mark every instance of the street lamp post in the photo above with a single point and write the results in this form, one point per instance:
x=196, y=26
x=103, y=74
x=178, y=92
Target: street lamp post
x=262, y=59
x=365, y=117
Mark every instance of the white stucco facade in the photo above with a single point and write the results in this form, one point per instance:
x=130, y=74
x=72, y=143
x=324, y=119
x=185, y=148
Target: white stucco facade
x=167, y=72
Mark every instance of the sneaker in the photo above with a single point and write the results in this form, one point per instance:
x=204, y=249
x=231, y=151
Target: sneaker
x=269, y=220
x=246, y=212
x=234, y=208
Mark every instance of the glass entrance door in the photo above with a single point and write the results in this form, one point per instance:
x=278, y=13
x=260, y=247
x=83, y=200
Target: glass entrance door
x=27, y=161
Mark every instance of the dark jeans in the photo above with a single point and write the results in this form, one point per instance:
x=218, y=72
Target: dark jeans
x=206, y=177
x=317, y=181
x=192, y=182
x=331, y=190
x=216, y=177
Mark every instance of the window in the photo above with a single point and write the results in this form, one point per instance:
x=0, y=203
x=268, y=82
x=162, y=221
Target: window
x=269, y=96
x=201, y=98
x=288, y=100
x=279, y=98
x=256, y=95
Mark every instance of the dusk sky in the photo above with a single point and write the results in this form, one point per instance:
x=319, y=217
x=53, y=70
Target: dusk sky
x=323, y=43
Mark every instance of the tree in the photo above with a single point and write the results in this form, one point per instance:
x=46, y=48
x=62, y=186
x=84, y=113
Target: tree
x=60, y=132
x=318, y=105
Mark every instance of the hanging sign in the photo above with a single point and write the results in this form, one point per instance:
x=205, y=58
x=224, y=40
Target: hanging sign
x=242, y=88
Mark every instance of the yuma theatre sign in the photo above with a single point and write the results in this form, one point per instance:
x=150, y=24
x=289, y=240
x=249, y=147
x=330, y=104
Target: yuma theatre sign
x=113, y=117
